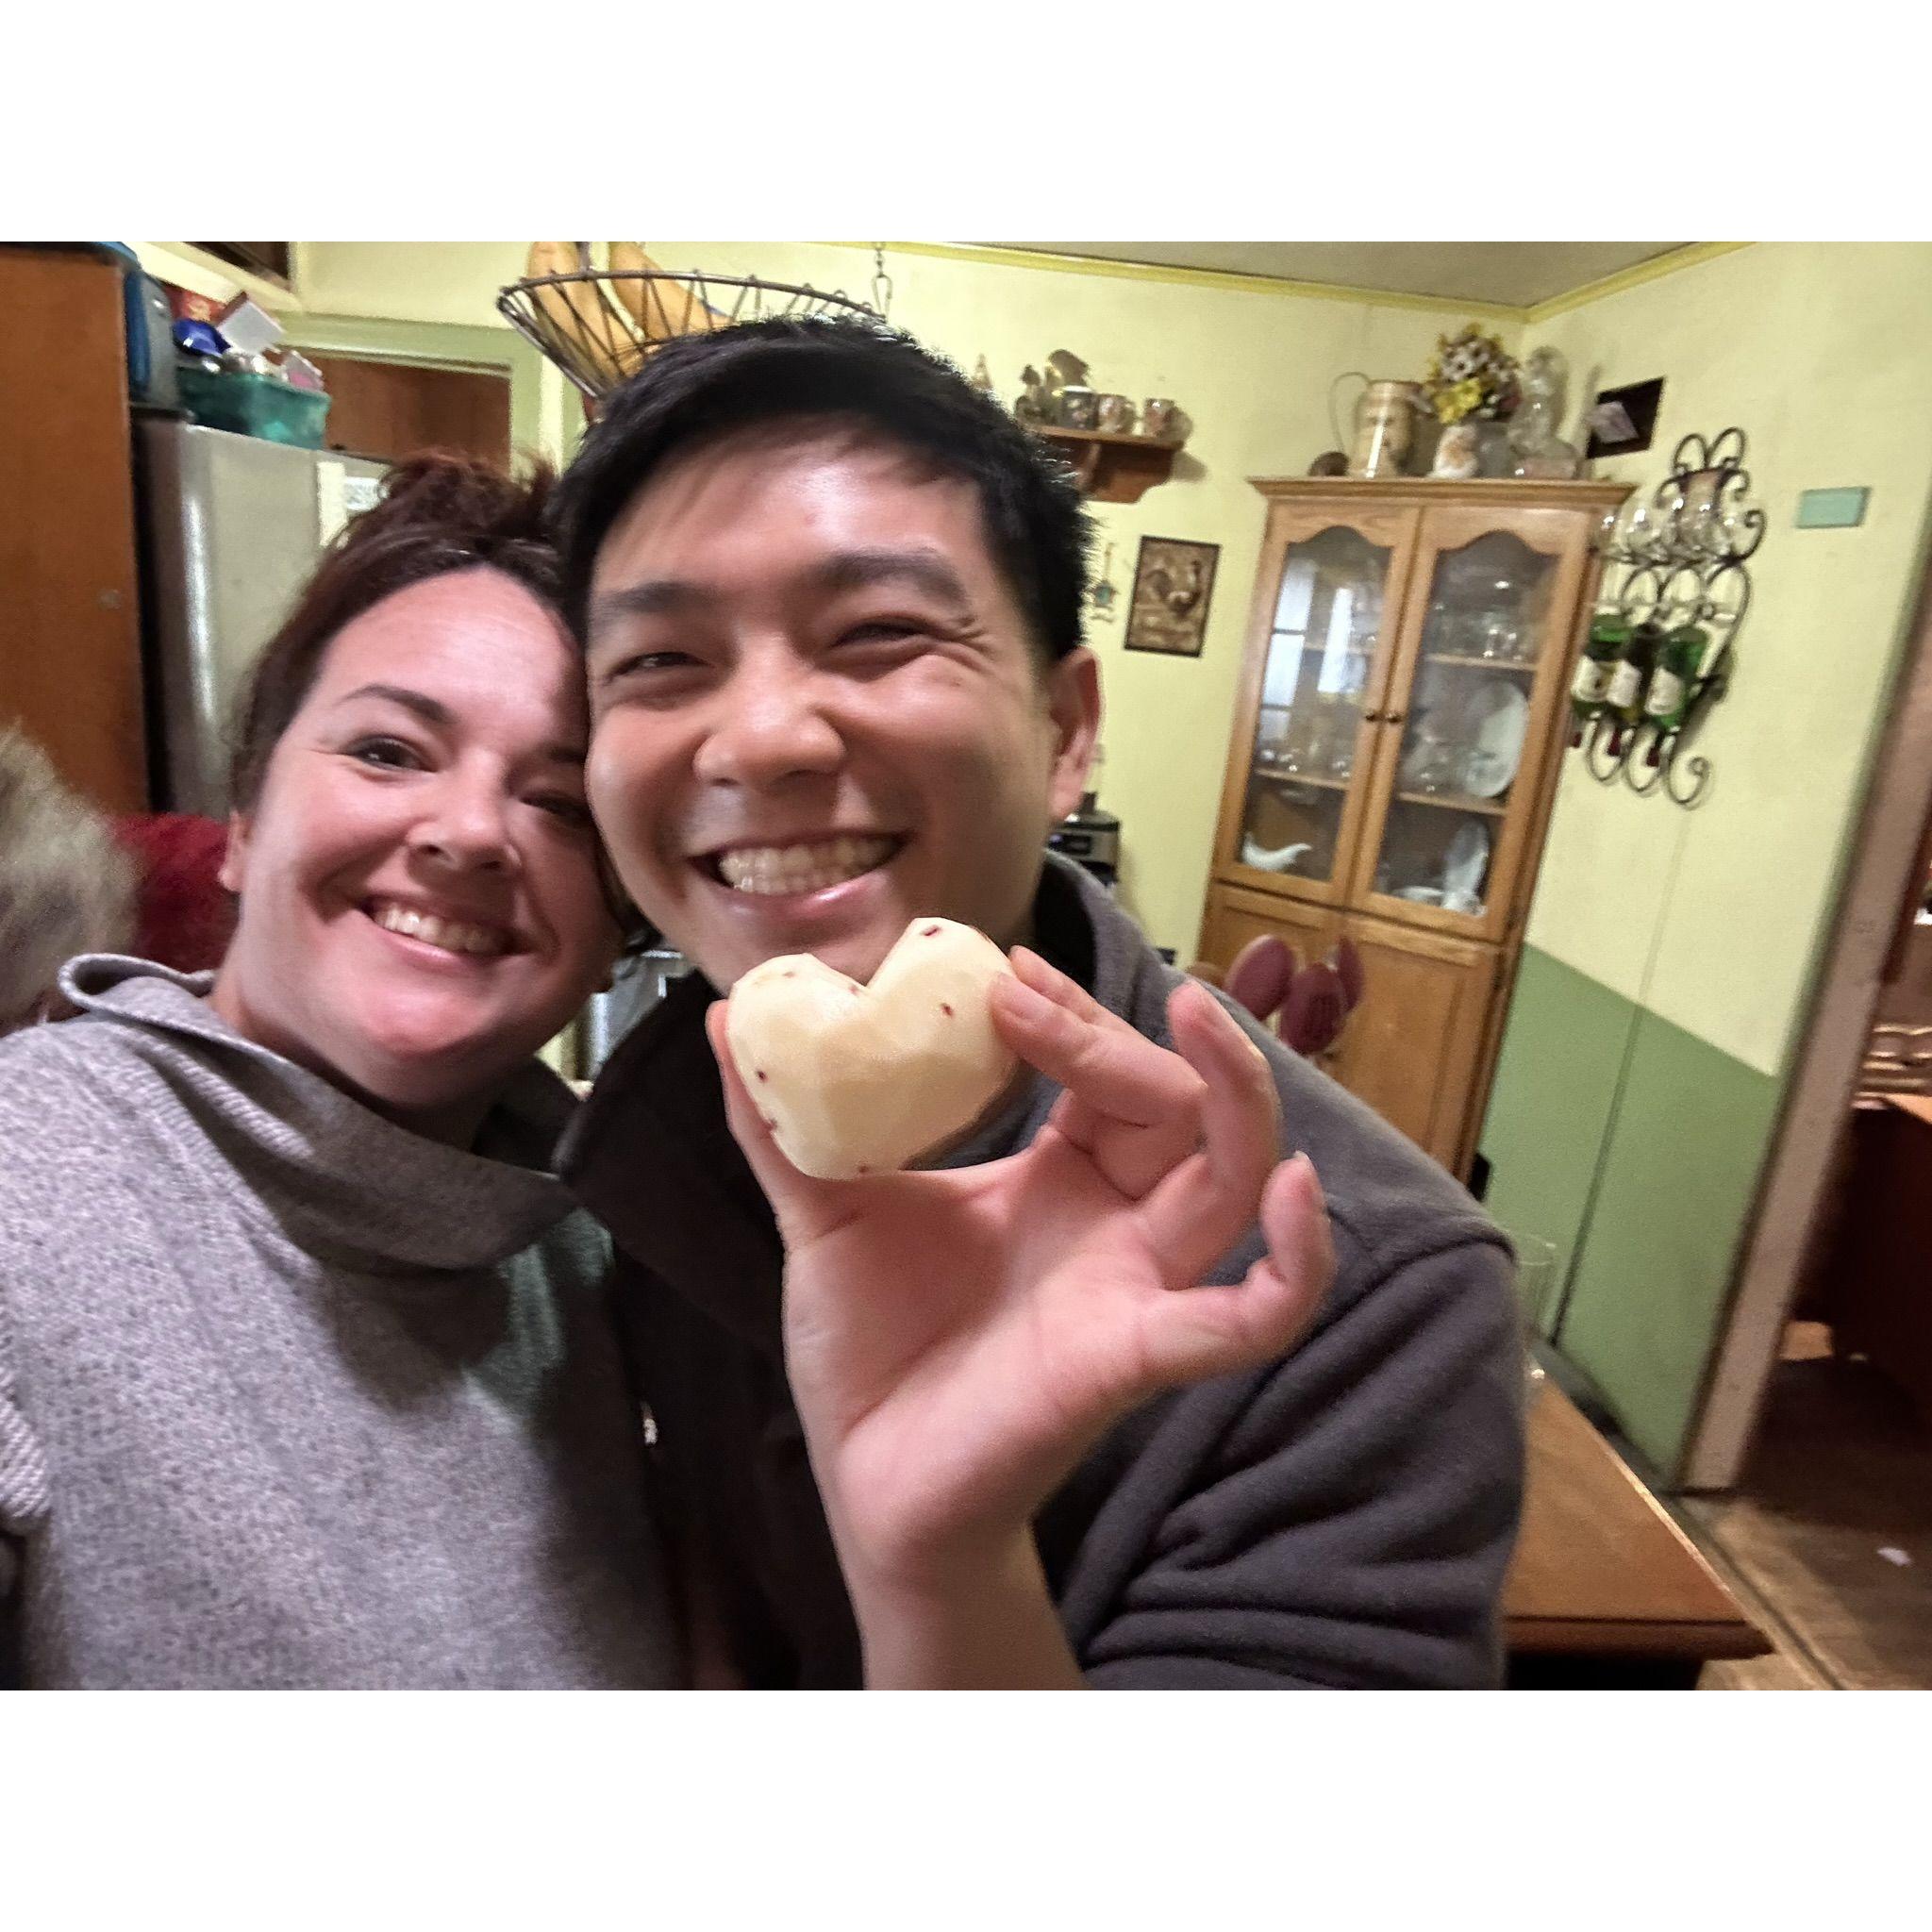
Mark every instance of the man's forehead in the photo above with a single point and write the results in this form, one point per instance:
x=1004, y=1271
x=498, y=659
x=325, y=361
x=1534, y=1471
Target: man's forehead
x=759, y=457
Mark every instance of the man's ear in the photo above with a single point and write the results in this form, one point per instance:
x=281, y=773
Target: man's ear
x=235, y=859
x=1072, y=693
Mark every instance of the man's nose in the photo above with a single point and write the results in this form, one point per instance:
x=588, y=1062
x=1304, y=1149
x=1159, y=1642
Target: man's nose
x=771, y=726
x=466, y=825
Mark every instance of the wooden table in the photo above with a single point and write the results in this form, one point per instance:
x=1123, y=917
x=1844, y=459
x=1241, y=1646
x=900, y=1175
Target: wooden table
x=1605, y=1588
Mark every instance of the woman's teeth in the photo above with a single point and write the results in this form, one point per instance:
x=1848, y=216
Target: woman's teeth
x=775, y=870
x=452, y=935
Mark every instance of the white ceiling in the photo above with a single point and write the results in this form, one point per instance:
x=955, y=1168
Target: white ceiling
x=1517, y=274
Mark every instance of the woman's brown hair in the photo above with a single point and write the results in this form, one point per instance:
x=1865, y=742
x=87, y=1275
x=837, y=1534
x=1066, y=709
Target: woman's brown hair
x=437, y=515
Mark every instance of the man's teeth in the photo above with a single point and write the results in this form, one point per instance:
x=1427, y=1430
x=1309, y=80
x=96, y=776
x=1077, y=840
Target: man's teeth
x=780, y=868
x=452, y=935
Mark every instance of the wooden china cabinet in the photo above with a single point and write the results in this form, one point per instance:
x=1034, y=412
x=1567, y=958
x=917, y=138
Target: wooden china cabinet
x=1401, y=717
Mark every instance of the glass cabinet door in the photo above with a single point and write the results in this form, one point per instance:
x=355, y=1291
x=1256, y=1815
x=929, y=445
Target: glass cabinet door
x=1323, y=669
x=1482, y=660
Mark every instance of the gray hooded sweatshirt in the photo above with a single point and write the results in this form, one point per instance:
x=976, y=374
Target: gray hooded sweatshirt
x=290, y=1395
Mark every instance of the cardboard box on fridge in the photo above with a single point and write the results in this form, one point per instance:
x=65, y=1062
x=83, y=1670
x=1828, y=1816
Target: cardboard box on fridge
x=189, y=307
x=246, y=326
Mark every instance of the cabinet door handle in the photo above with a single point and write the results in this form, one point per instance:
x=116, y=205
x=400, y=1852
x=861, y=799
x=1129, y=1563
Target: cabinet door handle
x=1395, y=717
x=1372, y=717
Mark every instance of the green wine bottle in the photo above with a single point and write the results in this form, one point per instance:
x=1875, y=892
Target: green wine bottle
x=1590, y=689
x=1668, y=701
x=1630, y=681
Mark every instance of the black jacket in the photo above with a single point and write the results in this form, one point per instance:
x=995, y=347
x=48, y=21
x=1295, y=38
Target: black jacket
x=1341, y=1516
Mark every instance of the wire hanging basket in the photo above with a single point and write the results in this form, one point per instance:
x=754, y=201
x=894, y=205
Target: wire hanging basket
x=601, y=325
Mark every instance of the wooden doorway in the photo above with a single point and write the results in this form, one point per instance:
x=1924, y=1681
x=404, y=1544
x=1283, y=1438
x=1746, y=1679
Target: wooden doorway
x=389, y=411
x=1885, y=881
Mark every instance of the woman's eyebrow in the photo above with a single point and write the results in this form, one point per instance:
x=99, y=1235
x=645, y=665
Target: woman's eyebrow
x=431, y=710
x=434, y=711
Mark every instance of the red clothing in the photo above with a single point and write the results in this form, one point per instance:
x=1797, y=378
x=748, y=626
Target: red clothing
x=184, y=914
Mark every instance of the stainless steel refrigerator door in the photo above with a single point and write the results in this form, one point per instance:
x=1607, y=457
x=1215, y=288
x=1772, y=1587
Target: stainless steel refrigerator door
x=234, y=525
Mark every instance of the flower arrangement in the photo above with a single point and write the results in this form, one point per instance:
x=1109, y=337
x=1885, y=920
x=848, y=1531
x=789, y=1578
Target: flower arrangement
x=1471, y=375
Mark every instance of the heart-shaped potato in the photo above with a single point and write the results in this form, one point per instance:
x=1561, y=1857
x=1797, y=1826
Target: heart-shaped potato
x=864, y=1079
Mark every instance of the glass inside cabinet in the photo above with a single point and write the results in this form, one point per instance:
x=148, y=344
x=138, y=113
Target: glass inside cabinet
x=1321, y=640
x=1486, y=629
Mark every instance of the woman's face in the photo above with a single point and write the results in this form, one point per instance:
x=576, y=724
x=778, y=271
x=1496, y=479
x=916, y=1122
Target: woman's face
x=421, y=907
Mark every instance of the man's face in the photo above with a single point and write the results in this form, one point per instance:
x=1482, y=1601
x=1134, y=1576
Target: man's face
x=816, y=713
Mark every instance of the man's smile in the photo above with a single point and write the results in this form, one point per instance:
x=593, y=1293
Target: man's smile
x=805, y=865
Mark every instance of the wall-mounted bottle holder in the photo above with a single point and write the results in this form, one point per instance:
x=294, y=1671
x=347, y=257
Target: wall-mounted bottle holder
x=1676, y=580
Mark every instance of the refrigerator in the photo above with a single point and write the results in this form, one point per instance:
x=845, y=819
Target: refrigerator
x=230, y=527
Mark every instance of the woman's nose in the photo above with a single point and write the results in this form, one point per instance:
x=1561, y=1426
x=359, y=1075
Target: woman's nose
x=467, y=824
x=769, y=725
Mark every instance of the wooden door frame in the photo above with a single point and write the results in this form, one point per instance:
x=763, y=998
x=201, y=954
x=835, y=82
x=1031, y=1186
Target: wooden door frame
x=1393, y=527
x=537, y=425
x=1880, y=873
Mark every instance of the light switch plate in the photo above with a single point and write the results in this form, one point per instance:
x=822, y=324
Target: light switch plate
x=1832, y=510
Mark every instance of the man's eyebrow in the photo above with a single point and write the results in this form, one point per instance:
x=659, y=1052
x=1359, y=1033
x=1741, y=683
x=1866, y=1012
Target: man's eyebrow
x=434, y=711
x=653, y=597
x=847, y=570
x=925, y=570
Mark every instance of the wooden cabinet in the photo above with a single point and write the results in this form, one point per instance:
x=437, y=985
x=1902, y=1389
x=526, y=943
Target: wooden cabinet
x=1412, y=1047
x=70, y=635
x=394, y=411
x=1394, y=757
x=1234, y=917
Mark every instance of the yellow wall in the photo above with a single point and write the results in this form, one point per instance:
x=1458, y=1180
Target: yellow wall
x=1818, y=350
x=1252, y=368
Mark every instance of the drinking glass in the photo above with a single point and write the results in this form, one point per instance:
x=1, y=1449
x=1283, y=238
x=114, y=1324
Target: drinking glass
x=1535, y=1293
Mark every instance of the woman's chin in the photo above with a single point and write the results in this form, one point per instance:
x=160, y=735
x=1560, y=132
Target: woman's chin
x=413, y=1070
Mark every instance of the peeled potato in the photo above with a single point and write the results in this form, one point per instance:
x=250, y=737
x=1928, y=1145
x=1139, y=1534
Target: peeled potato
x=864, y=1080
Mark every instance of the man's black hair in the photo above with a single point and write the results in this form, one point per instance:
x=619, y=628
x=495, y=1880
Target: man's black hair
x=701, y=387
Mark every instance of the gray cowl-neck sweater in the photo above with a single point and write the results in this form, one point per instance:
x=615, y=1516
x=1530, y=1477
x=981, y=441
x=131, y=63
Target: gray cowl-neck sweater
x=290, y=1395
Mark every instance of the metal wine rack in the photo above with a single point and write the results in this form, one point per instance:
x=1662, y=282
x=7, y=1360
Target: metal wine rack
x=1678, y=557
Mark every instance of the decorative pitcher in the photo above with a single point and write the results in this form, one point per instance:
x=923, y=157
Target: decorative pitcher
x=1385, y=416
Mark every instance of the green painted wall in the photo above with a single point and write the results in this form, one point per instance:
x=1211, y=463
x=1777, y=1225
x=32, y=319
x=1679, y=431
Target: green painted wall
x=1695, y=935
x=1678, y=1177
x=1819, y=352
x=1556, y=1081
x=1636, y=1148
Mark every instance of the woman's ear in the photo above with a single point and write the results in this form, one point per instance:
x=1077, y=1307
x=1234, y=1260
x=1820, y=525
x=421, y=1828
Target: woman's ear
x=235, y=859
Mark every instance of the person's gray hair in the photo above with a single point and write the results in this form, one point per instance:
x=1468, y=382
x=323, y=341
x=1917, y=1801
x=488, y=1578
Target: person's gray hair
x=66, y=886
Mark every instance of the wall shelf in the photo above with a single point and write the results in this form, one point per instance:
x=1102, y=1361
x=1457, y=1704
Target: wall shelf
x=1112, y=468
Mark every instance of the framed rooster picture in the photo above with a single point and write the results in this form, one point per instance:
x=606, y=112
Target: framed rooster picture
x=1173, y=581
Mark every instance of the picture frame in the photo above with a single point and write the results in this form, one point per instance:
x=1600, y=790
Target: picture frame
x=1638, y=402
x=1174, y=585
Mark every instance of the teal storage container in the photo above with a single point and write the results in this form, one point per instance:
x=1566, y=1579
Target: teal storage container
x=252, y=405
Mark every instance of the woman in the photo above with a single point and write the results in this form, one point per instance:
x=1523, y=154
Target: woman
x=304, y=1372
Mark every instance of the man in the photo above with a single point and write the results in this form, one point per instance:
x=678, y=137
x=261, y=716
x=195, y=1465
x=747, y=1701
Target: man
x=831, y=601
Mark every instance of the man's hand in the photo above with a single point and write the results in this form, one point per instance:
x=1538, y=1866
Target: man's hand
x=957, y=1341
